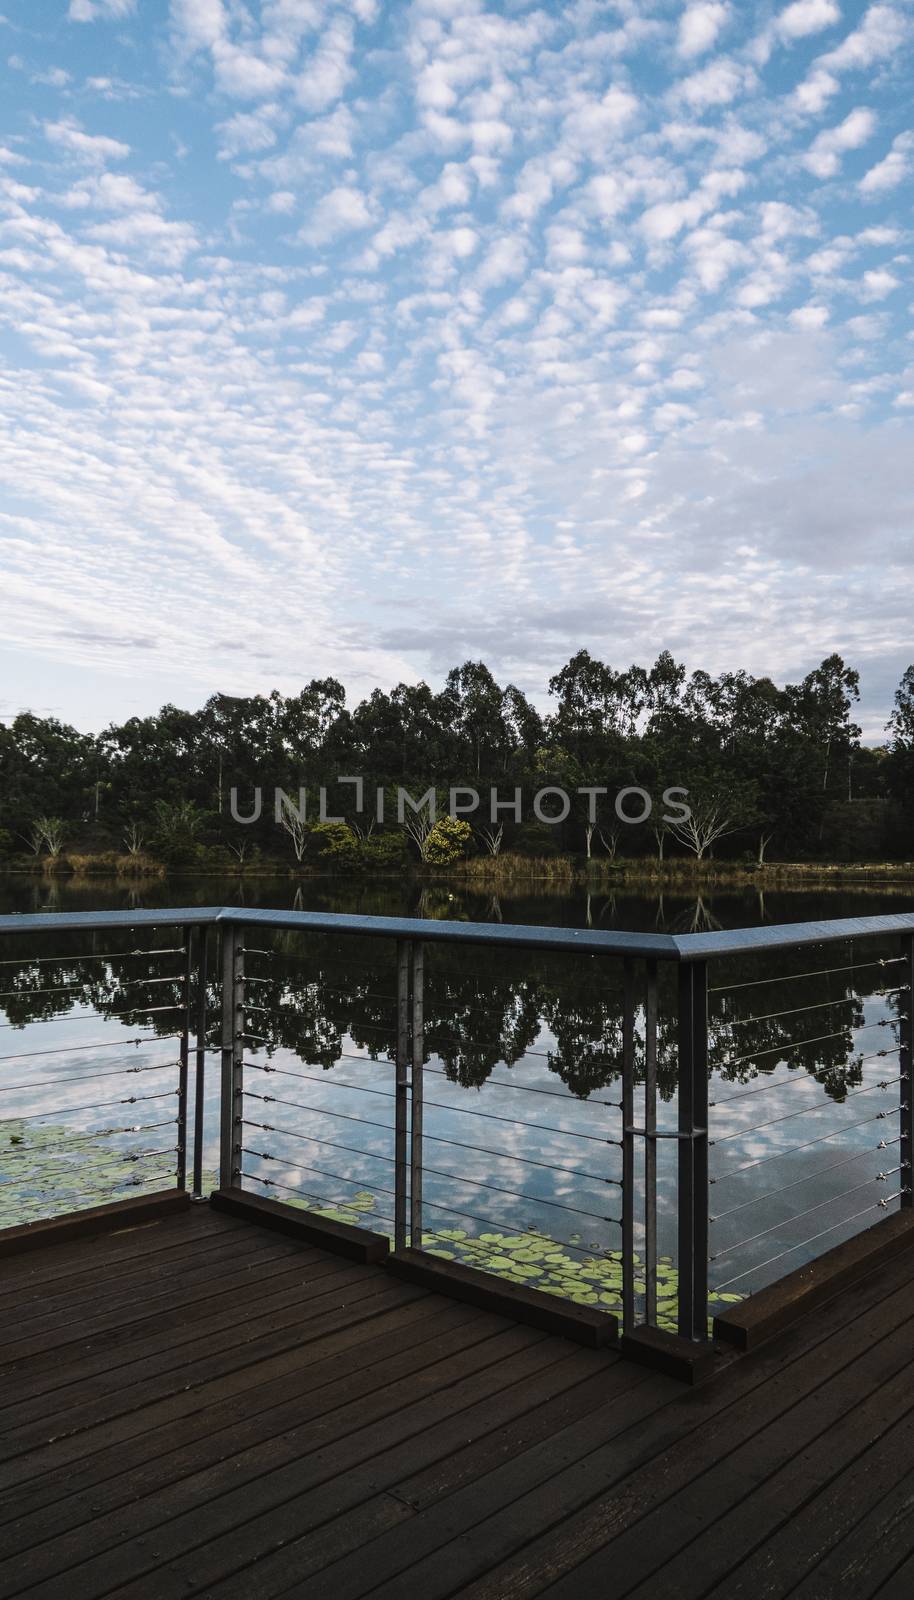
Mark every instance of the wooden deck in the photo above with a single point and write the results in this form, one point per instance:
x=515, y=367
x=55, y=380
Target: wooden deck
x=196, y=1406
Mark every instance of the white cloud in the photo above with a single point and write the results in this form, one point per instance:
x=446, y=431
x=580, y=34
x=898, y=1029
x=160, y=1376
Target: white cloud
x=811, y=316
x=700, y=25
x=328, y=71
x=878, y=38
x=716, y=84
x=92, y=148
x=879, y=282
x=824, y=154
x=92, y=10
x=804, y=17
x=892, y=170
x=881, y=32
x=199, y=23
x=248, y=131
x=345, y=209
x=554, y=265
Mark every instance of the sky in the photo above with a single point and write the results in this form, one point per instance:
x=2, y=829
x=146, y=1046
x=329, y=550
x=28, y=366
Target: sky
x=365, y=337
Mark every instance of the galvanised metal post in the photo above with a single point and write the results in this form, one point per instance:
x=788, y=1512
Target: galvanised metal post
x=693, y=1150
x=184, y=1055
x=417, y=974
x=906, y=1075
x=650, y=1147
x=232, y=1054
x=628, y=1145
x=401, y=1094
x=200, y=1064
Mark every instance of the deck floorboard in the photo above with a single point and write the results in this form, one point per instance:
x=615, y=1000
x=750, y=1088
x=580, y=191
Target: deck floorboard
x=198, y=1406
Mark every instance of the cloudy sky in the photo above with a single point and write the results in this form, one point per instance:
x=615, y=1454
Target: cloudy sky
x=363, y=336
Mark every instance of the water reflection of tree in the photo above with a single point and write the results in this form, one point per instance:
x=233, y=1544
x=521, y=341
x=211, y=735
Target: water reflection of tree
x=485, y=1008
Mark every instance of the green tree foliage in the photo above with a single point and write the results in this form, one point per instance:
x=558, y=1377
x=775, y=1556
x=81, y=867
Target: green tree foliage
x=779, y=772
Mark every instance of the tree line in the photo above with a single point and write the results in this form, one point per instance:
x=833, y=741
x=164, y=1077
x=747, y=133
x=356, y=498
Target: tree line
x=771, y=772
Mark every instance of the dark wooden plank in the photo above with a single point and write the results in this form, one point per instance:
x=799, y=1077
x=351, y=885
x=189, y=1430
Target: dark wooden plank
x=320, y=1350
x=339, y=1282
x=180, y=1286
x=753, y=1490
x=235, y=1287
x=353, y=1508
x=763, y=1314
x=898, y=1584
x=871, y=1549
x=216, y=1353
x=51, y=1232
x=587, y=1325
x=147, y=1534
x=841, y=1511
x=343, y=1238
x=136, y=1276
x=563, y=1487
x=104, y=1251
x=643, y=1516
x=243, y=1543
x=205, y=1381
x=268, y=1397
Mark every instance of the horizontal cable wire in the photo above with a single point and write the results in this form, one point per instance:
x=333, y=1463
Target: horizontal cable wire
x=821, y=1105
x=273, y=1183
x=136, y=1180
x=110, y=1044
x=477, y=1183
x=459, y=1144
x=310, y=1138
x=788, y=1045
x=90, y=1016
x=433, y=1040
x=110, y=955
x=793, y=1149
x=339, y=1055
x=518, y=1194
x=880, y=1205
x=797, y=1217
x=801, y=1075
x=85, y=1077
x=529, y=1088
x=98, y=1105
x=820, y=1005
x=794, y=977
x=70, y=988
x=505, y=1227
x=329, y=988
x=120, y=1155
x=440, y=1105
x=338, y=1177
x=86, y=1138
x=772, y=1194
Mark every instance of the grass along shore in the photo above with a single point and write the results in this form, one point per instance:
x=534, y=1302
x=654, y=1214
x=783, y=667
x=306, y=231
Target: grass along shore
x=558, y=872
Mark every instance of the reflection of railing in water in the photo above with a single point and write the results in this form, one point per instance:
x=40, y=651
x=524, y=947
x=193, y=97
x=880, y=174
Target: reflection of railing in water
x=571, y=1083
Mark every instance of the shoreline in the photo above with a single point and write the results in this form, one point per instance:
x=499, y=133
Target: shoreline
x=558, y=873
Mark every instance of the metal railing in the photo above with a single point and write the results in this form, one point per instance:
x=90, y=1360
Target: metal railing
x=583, y=1112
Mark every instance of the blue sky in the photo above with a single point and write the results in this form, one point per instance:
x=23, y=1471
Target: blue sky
x=358, y=337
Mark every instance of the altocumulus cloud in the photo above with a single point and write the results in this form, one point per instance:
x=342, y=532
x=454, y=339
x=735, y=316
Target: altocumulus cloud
x=531, y=325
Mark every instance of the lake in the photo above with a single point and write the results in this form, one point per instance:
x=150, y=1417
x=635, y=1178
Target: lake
x=522, y=1160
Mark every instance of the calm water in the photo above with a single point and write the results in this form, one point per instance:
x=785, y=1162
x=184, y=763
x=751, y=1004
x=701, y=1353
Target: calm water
x=522, y=1159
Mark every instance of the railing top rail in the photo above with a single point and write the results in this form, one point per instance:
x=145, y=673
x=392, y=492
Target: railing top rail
x=654, y=946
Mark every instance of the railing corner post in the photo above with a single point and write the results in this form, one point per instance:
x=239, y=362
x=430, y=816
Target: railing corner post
x=184, y=1059
x=693, y=1150
x=200, y=1063
x=401, y=1092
